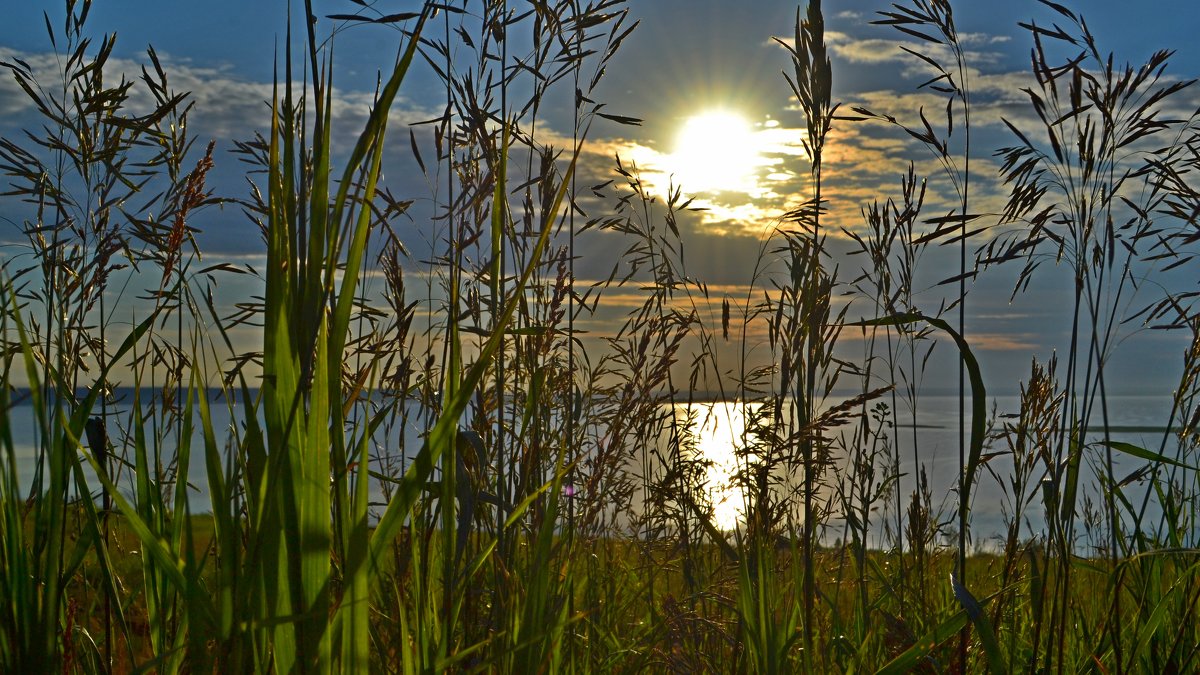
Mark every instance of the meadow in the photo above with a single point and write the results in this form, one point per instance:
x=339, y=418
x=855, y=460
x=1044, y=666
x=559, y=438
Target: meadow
x=431, y=467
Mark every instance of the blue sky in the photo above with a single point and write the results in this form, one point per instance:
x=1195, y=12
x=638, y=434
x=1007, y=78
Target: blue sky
x=687, y=59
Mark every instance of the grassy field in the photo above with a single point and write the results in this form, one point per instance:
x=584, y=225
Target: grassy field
x=554, y=517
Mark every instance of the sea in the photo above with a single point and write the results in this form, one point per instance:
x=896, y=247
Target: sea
x=718, y=429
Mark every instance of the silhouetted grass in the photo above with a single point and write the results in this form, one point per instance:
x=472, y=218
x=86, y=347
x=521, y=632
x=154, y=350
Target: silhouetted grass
x=556, y=515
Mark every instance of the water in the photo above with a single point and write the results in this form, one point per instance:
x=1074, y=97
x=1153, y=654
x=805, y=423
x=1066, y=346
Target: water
x=1139, y=420
x=225, y=417
x=718, y=430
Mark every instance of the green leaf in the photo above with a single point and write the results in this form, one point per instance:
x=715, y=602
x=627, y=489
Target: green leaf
x=1142, y=453
x=446, y=427
x=914, y=655
x=983, y=626
x=978, y=395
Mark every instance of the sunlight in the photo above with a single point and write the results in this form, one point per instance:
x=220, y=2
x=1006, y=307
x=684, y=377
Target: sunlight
x=716, y=151
x=719, y=429
x=740, y=172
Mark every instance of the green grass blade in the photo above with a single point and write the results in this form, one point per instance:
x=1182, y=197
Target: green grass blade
x=1142, y=453
x=983, y=626
x=978, y=394
x=445, y=429
x=153, y=545
x=371, y=139
x=912, y=657
x=1153, y=625
x=226, y=530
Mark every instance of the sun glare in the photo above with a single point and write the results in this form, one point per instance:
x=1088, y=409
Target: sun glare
x=714, y=152
x=719, y=429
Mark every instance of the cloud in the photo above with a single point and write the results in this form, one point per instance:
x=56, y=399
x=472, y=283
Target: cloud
x=872, y=50
x=1005, y=342
x=225, y=105
x=863, y=163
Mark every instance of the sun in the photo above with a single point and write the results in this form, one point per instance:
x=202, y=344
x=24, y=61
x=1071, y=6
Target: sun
x=716, y=151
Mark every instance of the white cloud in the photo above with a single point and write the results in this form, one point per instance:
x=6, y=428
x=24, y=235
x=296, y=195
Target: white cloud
x=226, y=106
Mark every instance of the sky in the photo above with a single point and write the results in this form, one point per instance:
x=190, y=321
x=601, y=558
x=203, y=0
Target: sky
x=705, y=76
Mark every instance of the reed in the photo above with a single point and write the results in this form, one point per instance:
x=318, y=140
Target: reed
x=546, y=505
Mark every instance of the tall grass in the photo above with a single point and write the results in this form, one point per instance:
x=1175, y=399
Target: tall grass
x=555, y=514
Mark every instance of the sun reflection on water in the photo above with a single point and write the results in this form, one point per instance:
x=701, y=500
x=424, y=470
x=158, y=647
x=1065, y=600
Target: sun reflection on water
x=719, y=431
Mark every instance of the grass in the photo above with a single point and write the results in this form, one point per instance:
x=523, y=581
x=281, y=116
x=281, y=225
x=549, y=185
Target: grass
x=555, y=516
